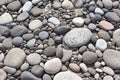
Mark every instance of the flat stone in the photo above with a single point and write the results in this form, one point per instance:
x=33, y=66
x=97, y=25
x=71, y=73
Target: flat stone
x=43, y=35
x=83, y=67
x=99, y=11
x=7, y=43
x=66, y=4
x=116, y=37
x=78, y=21
x=24, y=67
x=23, y=16
x=74, y=67
x=5, y=2
x=9, y=70
x=27, y=6
x=54, y=21
x=107, y=3
x=101, y=44
x=36, y=11
x=3, y=74
x=53, y=66
x=107, y=78
x=59, y=52
x=31, y=43
x=74, y=38
x=4, y=30
x=34, y=24
x=15, y=58
x=6, y=18
x=108, y=70
x=28, y=36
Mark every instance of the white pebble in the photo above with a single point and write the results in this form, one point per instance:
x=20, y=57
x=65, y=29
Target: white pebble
x=83, y=67
x=27, y=6
x=101, y=44
x=78, y=21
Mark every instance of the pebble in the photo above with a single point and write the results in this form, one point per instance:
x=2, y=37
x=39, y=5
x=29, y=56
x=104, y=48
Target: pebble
x=4, y=31
x=67, y=4
x=96, y=76
x=2, y=38
x=24, y=67
x=54, y=21
x=97, y=64
x=107, y=4
x=74, y=67
x=27, y=6
x=57, y=4
x=26, y=75
x=53, y=66
x=36, y=11
x=101, y=44
x=78, y=3
x=2, y=56
x=14, y=6
x=74, y=38
x=3, y=74
x=108, y=70
x=28, y=36
x=15, y=58
x=58, y=39
x=46, y=77
x=106, y=25
x=83, y=67
x=49, y=51
x=107, y=78
x=23, y=16
x=6, y=18
x=92, y=71
x=18, y=30
x=99, y=70
x=116, y=37
x=91, y=47
x=7, y=43
x=78, y=21
x=5, y=1
x=99, y=11
x=43, y=35
x=34, y=24
x=37, y=70
x=59, y=52
x=9, y=70
x=31, y=43
x=33, y=58
x=35, y=1
x=92, y=26
x=109, y=57
x=17, y=41
x=89, y=57
x=66, y=76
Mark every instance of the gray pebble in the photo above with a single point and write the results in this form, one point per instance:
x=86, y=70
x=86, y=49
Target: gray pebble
x=9, y=69
x=23, y=16
x=43, y=35
x=7, y=43
x=17, y=41
x=4, y=31
x=92, y=26
x=46, y=77
x=25, y=67
x=31, y=43
x=108, y=70
x=59, y=52
x=36, y=11
x=28, y=36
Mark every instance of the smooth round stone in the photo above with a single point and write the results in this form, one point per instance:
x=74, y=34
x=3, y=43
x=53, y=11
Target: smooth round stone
x=92, y=26
x=91, y=47
x=24, y=67
x=89, y=57
x=31, y=43
x=34, y=24
x=14, y=6
x=36, y=11
x=28, y=36
x=101, y=44
x=59, y=52
x=46, y=77
x=97, y=64
x=35, y=1
x=3, y=74
x=23, y=16
x=4, y=31
x=33, y=58
x=78, y=3
x=92, y=71
x=104, y=35
x=78, y=21
x=116, y=37
x=74, y=38
x=7, y=43
x=108, y=70
x=66, y=76
x=58, y=40
x=6, y=18
x=83, y=67
x=53, y=66
x=18, y=30
x=74, y=67
x=107, y=3
x=49, y=51
x=9, y=69
x=2, y=38
x=15, y=58
x=27, y=6
x=99, y=11
x=57, y=4
x=67, y=4
x=96, y=76
x=54, y=21
x=28, y=76
x=106, y=25
x=107, y=78
x=43, y=35
x=2, y=56
x=109, y=57
x=17, y=41
x=37, y=70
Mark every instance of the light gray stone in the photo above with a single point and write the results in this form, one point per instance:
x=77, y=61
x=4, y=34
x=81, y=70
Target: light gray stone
x=101, y=44
x=108, y=70
x=34, y=24
x=9, y=70
x=27, y=6
x=3, y=74
x=78, y=21
x=54, y=21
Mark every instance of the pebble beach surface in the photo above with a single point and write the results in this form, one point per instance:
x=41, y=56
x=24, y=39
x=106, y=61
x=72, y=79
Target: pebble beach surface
x=59, y=39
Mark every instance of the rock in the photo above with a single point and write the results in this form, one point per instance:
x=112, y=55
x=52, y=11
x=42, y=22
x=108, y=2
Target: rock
x=43, y=35
x=28, y=36
x=27, y=6
x=53, y=66
x=24, y=67
x=7, y=43
x=99, y=11
x=57, y=4
x=17, y=41
x=106, y=25
x=37, y=70
x=28, y=76
x=109, y=57
x=31, y=43
x=36, y=11
x=2, y=56
x=67, y=54
x=23, y=16
x=83, y=67
x=18, y=30
x=107, y=78
x=14, y=6
x=15, y=58
x=33, y=58
x=9, y=70
x=59, y=52
x=66, y=76
x=74, y=67
x=99, y=4
x=54, y=21
x=78, y=3
x=78, y=21
x=96, y=76
x=67, y=4
x=46, y=77
x=89, y=57
x=4, y=31
x=91, y=71
x=116, y=37
x=6, y=18
x=107, y=4
x=97, y=65
x=35, y=1
x=108, y=70
x=58, y=39
x=117, y=11
x=92, y=26
x=34, y=24
x=2, y=38
x=91, y=47
x=3, y=74
x=113, y=17
x=5, y=2
x=74, y=38
x=61, y=30
x=49, y=51
x=101, y=44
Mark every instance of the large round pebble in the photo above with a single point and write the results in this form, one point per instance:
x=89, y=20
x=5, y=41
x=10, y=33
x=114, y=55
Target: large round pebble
x=78, y=21
x=34, y=24
x=27, y=6
x=101, y=44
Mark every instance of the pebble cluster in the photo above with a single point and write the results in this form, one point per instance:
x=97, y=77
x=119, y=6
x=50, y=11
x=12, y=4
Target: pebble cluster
x=59, y=40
